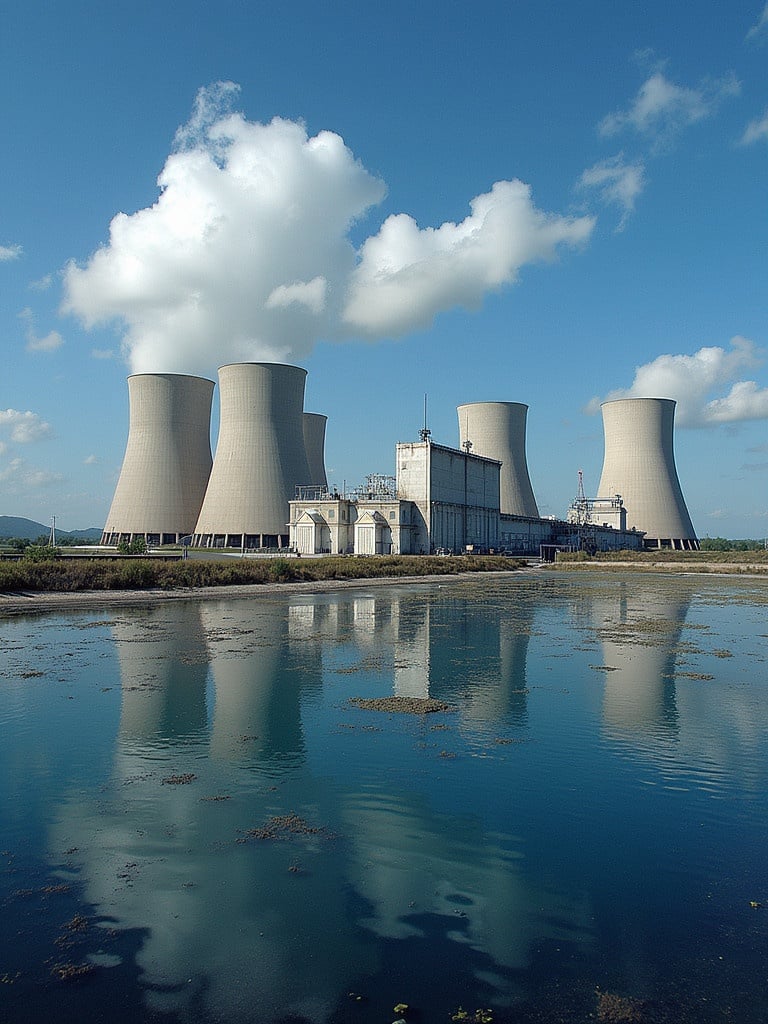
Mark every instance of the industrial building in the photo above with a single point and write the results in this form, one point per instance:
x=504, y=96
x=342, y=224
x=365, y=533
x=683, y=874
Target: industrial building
x=639, y=465
x=167, y=459
x=266, y=487
x=442, y=500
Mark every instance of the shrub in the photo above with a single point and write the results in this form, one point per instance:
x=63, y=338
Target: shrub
x=280, y=569
x=41, y=553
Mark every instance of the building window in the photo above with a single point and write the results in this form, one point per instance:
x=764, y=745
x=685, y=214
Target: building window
x=331, y=513
x=392, y=514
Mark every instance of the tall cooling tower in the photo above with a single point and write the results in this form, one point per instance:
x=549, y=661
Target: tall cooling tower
x=167, y=459
x=314, y=442
x=260, y=457
x=639, y=465
x=497, y=431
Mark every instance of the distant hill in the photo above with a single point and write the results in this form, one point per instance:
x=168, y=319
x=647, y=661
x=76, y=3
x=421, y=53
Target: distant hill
x=28, y=529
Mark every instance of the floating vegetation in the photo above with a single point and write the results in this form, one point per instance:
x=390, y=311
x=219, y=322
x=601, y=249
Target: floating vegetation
x=78, y=923
x=604, y=668
x=45, y=890
x=401, y=705
x=722, y=652
x=283, y=826
x=31, y=674
x=478, y=1017
x=179, y=780
x=71, y=972
x=705, y=676
x=215, y=799
x=615, y=1009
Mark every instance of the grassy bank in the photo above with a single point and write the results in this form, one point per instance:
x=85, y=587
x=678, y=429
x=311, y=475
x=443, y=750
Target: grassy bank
x=682, y=561
x=72, y=576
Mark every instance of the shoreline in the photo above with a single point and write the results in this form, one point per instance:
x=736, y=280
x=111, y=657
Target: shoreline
x=33, y=602
x=16, y=603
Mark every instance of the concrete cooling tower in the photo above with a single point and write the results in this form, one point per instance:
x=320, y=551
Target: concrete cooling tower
x=497, y=431
x=314, y=442
x=639, y=465
x=260, y=457
x=167, y=459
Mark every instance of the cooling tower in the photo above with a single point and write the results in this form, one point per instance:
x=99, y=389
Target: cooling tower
x=314, y=442
x=260, y=457
x=639, y=465
x=497, y=431
x=167, y=459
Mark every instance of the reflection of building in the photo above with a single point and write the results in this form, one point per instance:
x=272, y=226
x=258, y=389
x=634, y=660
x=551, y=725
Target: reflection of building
x=639, y=629
x=164, y=671
x=167, y=459
x=214, y=919
x=256, y=712
x=639, y=465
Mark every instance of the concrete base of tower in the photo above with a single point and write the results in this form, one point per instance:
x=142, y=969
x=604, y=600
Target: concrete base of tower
x=671, y=543
x=111, y=538
x=242, y=541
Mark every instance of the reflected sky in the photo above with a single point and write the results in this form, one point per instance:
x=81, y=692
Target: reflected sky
x=589, y=812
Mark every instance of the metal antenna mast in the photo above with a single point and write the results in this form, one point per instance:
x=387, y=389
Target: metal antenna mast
x=425, y=433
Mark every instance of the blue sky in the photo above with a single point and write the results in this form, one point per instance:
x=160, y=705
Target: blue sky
x=548, y=203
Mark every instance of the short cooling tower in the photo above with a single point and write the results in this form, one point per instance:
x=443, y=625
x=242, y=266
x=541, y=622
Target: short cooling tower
x=260, y=457
x=496, y=430
x=639, y=465
x=314, y=442
x=167, y=459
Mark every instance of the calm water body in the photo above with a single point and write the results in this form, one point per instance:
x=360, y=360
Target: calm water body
x=198, y=825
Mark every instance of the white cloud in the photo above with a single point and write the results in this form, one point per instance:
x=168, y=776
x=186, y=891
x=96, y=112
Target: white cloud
x=303, y=293
x=42, y=284
x=745, y=401
x=19, y=476
x=761, y=25
x=691, y=381
x=25, y=427
x=662, y=108
x=90, y=460
x=407, y=275
x=756, y=130
x=246, y=254
x=102, y=353
x=9, y=252
x=617, y=182
x=49, y=343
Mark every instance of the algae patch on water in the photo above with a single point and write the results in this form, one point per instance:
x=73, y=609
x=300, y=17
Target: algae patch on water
x=401, y=705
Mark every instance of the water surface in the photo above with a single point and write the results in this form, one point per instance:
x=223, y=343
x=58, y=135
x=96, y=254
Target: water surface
x=197, y=825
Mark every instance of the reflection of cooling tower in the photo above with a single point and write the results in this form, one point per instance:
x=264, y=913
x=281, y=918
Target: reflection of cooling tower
x=496, y=430
x=260, y=456
x=639, y=465
x=167, y=459
x=640, y=628
x=164, y=672
x=314, y=442
x=257, y=715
